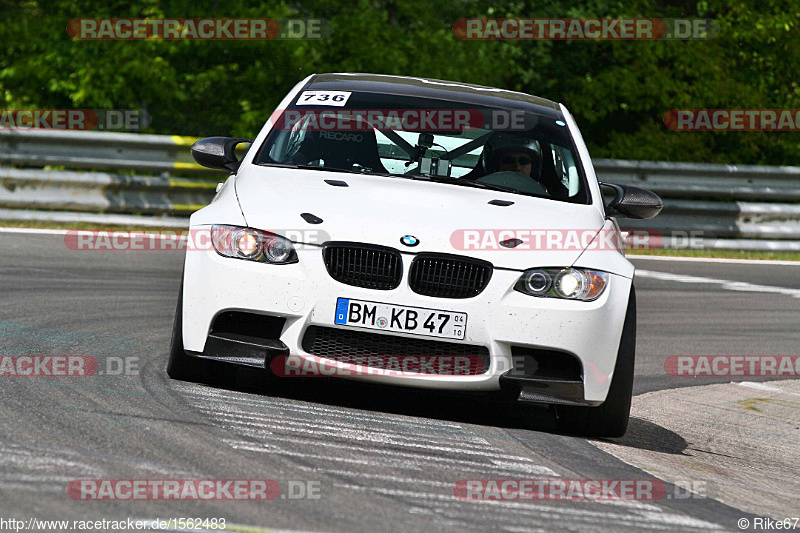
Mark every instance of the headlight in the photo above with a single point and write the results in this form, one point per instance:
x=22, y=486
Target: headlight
x=565, y=283
x=252, y=244
x=538, y=283
x=569, y=283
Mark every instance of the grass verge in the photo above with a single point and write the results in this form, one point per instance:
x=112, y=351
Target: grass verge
x=721, y=254
x=83, y=225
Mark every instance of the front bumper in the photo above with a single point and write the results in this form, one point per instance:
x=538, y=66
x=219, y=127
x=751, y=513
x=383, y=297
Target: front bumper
x=498, y=319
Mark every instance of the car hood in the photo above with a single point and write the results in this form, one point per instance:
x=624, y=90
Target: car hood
x=443, y=218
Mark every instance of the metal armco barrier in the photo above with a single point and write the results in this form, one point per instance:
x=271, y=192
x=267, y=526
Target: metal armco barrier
x=724, y=202
x=703, y=181
x=101, y=192
x=731, y=206
x=98, y=151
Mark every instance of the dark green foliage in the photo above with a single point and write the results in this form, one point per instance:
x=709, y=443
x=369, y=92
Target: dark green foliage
x=619, y=91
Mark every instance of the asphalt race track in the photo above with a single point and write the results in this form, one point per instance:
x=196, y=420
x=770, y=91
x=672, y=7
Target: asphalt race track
x=376, y=458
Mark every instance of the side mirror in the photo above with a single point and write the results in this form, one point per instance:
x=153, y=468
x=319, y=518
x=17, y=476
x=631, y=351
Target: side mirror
x=633, y=202
x=217, y=152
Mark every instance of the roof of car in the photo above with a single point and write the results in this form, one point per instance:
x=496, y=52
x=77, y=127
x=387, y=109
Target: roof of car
x=466, y=93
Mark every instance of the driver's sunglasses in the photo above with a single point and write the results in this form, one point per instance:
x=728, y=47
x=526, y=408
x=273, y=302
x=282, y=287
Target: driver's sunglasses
x=510, y=160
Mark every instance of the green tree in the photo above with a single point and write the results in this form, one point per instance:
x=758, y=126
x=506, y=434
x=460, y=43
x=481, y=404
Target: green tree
x=619, y=91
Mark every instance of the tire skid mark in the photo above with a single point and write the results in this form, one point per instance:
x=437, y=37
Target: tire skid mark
x=348, y=445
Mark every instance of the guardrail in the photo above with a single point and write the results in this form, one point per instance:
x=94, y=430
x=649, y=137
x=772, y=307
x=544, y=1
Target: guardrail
x=704, y=181
x=731, y=206
x=716, y=201
x=102, y=192
x=99, y=151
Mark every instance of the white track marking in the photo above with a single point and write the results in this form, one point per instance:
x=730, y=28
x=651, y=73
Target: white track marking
x=520, y=467
x=540, y=508
x=312, y=413
x=396, y=479
x=415, y=448
x=762, y=386
x=265, y=403
x=759, y=386
x=260, y=428
x=739, y=286
x=576, y=510
x=371, y=462
x=406, y=460
x=167, y=232
x=280, y=425
x=31, y=487
x=525, y=518
x=676, y=520
x=527, y=468
x=360, y=436
x=39, y=231
x=528, y=512
x=426, y=427
x=633, y=504
x=352, y=421
x=34, y=478
x=281, y=422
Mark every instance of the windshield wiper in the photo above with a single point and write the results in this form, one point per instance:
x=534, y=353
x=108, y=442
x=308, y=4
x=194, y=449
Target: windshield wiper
x=325, y=169
x=305, y=167
x=466, y=183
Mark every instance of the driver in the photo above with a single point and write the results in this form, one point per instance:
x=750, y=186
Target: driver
x=504, y=152
x=512, y=153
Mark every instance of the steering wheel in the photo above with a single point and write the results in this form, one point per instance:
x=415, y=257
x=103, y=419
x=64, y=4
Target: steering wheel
x=516, y=180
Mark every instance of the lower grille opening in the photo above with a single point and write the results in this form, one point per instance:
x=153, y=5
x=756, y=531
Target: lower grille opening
x=545, y=364
x=238, y=324
x=377, y=350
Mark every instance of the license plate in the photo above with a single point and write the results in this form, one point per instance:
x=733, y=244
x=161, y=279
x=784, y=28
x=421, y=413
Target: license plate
x=401, y=318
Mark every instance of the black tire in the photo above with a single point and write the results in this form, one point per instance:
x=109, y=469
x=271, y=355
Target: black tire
x=180, y=365
x=610, y=419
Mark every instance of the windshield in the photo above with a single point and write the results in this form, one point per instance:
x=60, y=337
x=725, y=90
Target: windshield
x=429, y=140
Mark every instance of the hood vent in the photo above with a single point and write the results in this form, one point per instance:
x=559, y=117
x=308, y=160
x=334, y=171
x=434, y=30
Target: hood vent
x=311, y=219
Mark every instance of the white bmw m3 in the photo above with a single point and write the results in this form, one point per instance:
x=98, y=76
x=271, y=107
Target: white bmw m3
x=422, y=233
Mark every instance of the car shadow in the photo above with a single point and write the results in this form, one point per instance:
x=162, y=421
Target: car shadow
x=645, y=435
x=496, y=409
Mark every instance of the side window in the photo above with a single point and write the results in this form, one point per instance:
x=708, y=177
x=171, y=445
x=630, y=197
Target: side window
x=566, y=168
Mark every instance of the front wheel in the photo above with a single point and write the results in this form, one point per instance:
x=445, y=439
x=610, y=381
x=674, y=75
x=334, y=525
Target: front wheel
x=610, y=419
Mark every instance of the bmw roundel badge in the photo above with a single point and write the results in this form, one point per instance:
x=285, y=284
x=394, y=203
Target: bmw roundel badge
x=409, y=240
